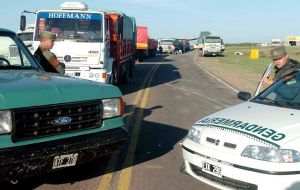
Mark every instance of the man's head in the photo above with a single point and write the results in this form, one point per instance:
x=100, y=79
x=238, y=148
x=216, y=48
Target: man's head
x=279, y=56
x=47, y=39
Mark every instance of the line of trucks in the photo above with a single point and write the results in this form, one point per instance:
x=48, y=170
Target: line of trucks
x=97, y=45
x=173, y=45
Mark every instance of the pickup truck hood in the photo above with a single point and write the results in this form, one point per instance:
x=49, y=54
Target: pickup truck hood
x=32, y=88
x=270, y=124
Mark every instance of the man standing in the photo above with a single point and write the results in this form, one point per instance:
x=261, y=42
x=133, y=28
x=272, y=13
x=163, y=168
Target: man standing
x=283, y=65
x=46, y=58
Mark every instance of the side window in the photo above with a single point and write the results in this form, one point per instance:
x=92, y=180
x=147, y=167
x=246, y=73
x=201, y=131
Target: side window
x=11, y=54
x=106, y=28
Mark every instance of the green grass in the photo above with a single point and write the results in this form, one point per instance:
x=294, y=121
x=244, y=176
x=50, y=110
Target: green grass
x=241, y=71
x=244, y=63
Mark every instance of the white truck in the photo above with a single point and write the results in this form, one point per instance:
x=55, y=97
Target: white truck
x=169, y=45
x=212, y=46
x=27, y=35
x=86, y=41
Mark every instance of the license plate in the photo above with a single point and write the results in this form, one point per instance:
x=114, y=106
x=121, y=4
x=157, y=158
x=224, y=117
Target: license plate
x=66, y=160
x=212, y=169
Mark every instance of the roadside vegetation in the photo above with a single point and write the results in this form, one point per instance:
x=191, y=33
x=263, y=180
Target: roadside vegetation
x=237, y=69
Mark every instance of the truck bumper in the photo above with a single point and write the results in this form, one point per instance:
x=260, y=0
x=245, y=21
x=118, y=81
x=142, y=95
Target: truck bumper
x=98, y=75
x=34, y=159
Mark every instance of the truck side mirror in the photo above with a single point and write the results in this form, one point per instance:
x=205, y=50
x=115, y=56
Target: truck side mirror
x=22, y=22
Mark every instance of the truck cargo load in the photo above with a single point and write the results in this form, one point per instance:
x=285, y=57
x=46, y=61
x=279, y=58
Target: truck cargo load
x=123, y=45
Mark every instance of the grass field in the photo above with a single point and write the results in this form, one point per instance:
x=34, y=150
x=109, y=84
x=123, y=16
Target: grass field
x=240, y=71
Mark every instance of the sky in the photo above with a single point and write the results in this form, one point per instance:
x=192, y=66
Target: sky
x=236, y=21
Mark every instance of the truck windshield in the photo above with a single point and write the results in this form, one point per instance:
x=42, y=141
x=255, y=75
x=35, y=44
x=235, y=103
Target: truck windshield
x=79, y=27
x=167, y=42
x=26, y=36
x=213, y=40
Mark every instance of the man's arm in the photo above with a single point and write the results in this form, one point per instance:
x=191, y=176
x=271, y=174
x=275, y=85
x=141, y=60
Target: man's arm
x=59, y=66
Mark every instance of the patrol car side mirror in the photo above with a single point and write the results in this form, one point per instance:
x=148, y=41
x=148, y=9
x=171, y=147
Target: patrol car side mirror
x=22, y=22
x=244, y=96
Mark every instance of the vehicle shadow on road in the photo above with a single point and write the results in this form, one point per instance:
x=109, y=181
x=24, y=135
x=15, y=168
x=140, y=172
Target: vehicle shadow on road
x=165, y=73
x=158, y=58
x=154, y=140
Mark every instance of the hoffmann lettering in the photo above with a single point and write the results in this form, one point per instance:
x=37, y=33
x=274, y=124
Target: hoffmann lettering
x=70, y=15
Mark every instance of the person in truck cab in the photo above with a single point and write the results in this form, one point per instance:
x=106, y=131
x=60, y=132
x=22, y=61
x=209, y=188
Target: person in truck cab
x=283, y=65
x=45, y=57
x=58, y=32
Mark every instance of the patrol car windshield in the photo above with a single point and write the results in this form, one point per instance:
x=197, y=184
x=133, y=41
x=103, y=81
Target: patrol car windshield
x=284, y=93
x=79, y=27
x=13, y=55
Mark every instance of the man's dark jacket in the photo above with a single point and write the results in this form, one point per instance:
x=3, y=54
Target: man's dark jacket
x=289, y=67
x=38, y=54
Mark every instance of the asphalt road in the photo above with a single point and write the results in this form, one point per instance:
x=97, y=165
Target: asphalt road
x=166, y=96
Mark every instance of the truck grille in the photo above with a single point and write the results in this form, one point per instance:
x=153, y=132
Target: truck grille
x=34, y=122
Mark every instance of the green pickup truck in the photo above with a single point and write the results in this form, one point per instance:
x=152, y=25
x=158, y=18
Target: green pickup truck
x=49, y=122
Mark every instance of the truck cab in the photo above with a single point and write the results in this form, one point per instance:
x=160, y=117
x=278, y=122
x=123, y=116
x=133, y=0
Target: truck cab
x=169, y=46
x=212, y=46
x=27, y=36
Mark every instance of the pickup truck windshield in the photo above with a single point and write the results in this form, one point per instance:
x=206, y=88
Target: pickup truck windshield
x=13, y=55
x=284, y=93
x=79, y=27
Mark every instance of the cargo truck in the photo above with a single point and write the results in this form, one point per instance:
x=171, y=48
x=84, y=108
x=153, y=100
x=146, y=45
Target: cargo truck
x=27, y=35
x=145, y=46
x=122, y=46
x=94, y=44
x=212, y=46
x=170, y=45
x=200, y=40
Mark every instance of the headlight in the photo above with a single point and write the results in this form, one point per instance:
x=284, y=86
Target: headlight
x=271, y=154
x=194, y=135
x=5, y=122
x=113, y=107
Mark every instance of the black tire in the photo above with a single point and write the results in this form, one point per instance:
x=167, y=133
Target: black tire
x=131, y=68
x=125, y=75
x=114, y=79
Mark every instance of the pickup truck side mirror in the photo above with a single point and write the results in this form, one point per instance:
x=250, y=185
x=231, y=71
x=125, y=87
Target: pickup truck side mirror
x=244, y=96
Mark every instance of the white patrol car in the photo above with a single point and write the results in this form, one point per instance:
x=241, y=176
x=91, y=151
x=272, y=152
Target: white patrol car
x=253, y=145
